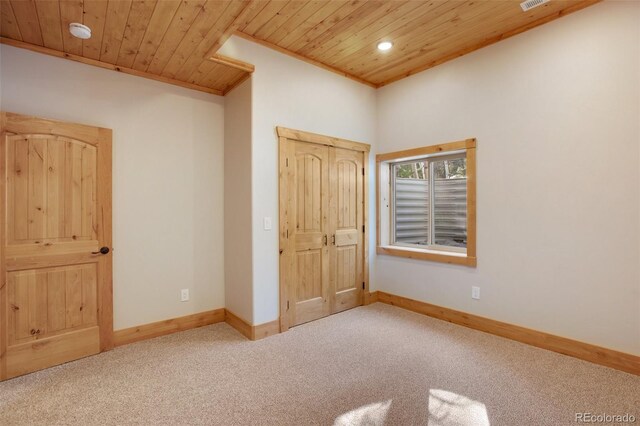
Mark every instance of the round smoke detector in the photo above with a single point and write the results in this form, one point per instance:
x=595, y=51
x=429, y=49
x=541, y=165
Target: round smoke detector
x=78, y=30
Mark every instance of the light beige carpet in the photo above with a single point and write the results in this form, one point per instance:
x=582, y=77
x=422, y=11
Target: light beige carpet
x=373, y=365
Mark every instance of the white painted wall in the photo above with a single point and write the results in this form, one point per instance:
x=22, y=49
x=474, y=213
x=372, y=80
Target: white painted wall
x=556, y=112
x=167, y=177
x=237, y=202
x=291, y=93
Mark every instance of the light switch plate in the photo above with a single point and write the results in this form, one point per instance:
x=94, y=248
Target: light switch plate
x=267, y=224
x=475, y=293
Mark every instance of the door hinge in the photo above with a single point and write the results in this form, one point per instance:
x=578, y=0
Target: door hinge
x=363, y=171
x=287, y=305
x=363, y=228
x=363, y=285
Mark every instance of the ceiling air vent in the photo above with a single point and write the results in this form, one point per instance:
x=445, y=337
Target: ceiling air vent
x=530, y=4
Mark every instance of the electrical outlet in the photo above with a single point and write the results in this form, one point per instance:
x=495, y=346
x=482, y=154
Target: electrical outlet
x=475, y=292
x=184, y=295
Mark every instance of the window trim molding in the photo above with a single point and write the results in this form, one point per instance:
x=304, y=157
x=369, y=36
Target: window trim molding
x=470, y=259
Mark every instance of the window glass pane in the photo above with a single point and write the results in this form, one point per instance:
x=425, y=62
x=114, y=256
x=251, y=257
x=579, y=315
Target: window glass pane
x=411, y=203
x=450, y=202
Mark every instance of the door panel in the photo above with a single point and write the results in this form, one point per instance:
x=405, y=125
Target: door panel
x=309, y=205
x=347, y=224
x=44, y=302
x=51, y=190
x=58, y=176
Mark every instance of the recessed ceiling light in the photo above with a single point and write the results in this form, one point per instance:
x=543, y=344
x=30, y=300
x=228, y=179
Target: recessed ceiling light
x=78, y=30
x=385, y=45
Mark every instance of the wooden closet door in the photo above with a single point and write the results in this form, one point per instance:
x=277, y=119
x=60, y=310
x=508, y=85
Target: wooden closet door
x=55, y=215
x=308, y=207
x=346, y=223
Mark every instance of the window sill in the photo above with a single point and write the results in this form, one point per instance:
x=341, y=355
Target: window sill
x=434, y=256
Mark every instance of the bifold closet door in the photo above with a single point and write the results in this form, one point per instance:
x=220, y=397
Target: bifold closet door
x=308, y=208
x=347, y=230
x=322, y=246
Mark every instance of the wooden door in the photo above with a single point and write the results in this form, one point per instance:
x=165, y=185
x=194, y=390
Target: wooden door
x=55, y=217
x=323, y=267
x=347, y=228
x=308, y=204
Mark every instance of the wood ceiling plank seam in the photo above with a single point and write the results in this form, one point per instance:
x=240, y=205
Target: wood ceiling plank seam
x=215, y=74
x=105, y=65
x=226, y=78
x=115, y=22
x=248, y=9
x=49, y=20
x=186, y=15
x=326, y=10
x=271, y=10
x=469, y=24
x=8, y=23
x=211, y=14
x=402, y=33
x=236, y=83
x=219, y=75
x=353, y=33
x=190, y=66
x=94, y=16
x=71, y=11
x=232, y=81
x=345, y=10
x=135, y=30
x=503, y=36
x=201, y=71
x=279, y=19
x=250, y=13
x=306, y=11
x=379, y=31
x=27, y=18
x=363, y=14
x=405, y=41
x=161, y=18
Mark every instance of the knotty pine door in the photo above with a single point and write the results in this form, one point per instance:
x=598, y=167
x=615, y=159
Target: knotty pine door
x=55, y=242
x=322, y=230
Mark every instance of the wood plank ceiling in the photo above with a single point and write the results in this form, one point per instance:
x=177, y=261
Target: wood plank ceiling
x=162, y=39
x=175, y=41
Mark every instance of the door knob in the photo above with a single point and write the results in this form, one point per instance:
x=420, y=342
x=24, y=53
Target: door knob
x=103, y=250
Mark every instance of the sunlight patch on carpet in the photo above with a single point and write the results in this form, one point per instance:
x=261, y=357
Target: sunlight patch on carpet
x=373, y=414
x=449, y=409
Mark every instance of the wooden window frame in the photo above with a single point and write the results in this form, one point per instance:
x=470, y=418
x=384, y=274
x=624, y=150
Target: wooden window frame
x=451, y=257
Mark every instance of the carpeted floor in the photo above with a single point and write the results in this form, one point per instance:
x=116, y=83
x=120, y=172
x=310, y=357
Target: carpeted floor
x=372, y=365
